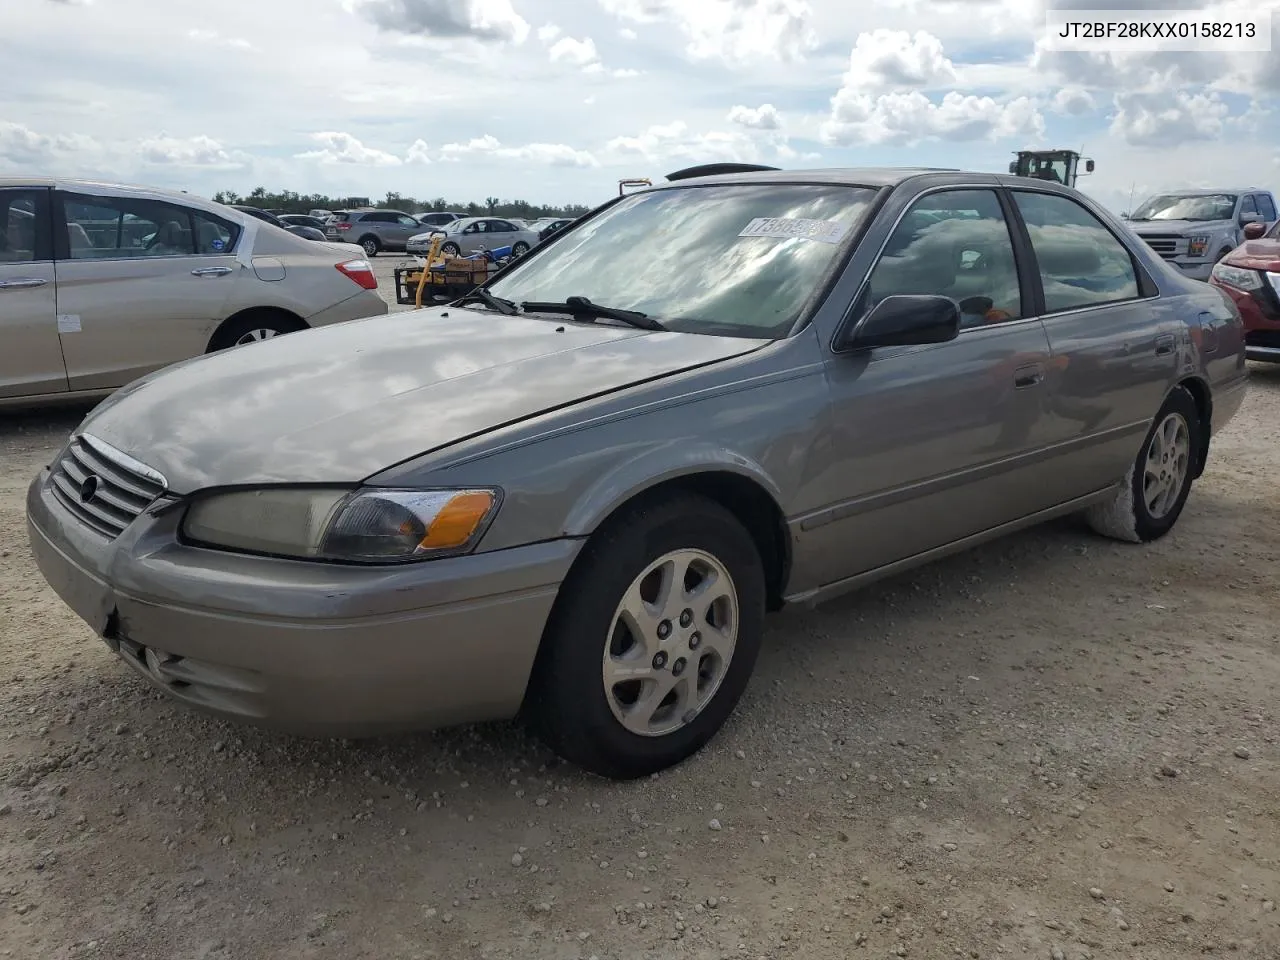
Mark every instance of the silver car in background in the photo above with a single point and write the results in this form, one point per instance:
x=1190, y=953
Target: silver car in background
x=573, y=493
x=472, y=234
x=102, y=283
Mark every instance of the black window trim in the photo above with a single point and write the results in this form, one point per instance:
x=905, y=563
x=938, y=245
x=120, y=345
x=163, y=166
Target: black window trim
x=43, y=220
x=856, y=308
x=1147, y=288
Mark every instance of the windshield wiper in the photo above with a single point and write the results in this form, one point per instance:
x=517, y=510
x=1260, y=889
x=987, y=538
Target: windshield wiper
x=582, y=308
x=481, y=295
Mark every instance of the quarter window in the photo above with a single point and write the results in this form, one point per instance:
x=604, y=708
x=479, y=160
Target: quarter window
x=113, y=228
x=1266, y=207
x=214, y=236
x=955, y=244
x=1081, y=262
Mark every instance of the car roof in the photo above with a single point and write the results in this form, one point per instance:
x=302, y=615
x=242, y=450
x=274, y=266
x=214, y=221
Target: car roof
x=1208, y=191
x=851, y=176
x=113, y=188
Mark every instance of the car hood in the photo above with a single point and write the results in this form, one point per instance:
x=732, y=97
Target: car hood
x=1178, y=227
x=1256, y=255
x=338, y=404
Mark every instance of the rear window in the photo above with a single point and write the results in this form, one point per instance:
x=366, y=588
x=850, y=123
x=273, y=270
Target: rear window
x=340, y=217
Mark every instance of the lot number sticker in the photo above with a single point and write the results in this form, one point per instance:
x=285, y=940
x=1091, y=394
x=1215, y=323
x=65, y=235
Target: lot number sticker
x=784, y=228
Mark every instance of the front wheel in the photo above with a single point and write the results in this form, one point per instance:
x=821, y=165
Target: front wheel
x=1150, y=500
x=652, y=640
x=520, y=249
x=371, y=246
x=450, y=249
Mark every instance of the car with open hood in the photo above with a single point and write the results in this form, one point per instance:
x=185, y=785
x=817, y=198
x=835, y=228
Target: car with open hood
x=573, y=494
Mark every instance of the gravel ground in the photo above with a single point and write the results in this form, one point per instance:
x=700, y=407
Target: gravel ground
x=1055, y=746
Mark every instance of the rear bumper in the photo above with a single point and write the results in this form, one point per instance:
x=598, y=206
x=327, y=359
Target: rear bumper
x=309, y=648
x=366, y=303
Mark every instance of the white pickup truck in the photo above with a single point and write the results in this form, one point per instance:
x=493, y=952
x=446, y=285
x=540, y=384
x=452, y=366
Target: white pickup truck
x=1194, y=229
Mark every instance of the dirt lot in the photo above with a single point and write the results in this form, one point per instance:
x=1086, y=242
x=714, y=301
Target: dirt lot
x=1055, y=746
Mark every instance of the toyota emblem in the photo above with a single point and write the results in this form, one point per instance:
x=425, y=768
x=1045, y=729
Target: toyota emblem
x=89, y=488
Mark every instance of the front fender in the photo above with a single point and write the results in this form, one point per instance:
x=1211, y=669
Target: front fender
x=655, y=466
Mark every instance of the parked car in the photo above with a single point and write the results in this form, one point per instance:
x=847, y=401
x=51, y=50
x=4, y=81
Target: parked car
x=1251, y=275
x=321, y=215
x=302, y=220
x=548, y=227
x=574, y=492
x=302, y=230
x=374, y=230
x=438, y=219
x=1194, y=229
x=101, y=284
x=472, y=234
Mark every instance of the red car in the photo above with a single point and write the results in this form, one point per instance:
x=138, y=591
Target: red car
x=1250, y=274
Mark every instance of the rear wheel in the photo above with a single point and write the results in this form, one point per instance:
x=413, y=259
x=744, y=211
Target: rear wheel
x=450, y=249
x=652, y=640
x=371, y=246
x=1147, y=505
x=520, y=249
x=254, y=328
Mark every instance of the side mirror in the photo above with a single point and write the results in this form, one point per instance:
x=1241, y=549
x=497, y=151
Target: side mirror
x=1088, y=166
x=1246, y=218
x=1013, y=167
x=906, y=321
x=1255, y=231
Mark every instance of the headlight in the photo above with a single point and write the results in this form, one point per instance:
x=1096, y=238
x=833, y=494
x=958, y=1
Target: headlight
x=361, y=526
x=1237, y=277
x=1198, y=246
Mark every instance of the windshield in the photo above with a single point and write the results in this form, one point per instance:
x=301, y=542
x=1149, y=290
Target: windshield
x=732, y=260
x=1205, y=207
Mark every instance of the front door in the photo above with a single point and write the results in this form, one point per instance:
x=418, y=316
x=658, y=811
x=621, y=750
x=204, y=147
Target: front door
x=30, y=355
x=142, y=283
x=1116, y=351
x=931, y=444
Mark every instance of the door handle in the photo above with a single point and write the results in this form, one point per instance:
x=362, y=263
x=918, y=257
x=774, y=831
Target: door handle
x=1028, y=376
x=24, y=284
x=1164, y=345
x=210, y=271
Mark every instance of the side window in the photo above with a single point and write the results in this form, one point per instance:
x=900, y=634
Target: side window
x=24, y=226
x=501, y=226
x=114, y=228
x=406, y=221
x=482, y=226
x=1266, y=207
x=1247, y=205
x=1081, y=262
x=954, y=244
x=214, y=235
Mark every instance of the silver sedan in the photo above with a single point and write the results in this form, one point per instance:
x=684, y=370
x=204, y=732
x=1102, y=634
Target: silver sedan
x=473, y=234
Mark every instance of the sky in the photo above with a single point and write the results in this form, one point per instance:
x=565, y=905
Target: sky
x=554, y=101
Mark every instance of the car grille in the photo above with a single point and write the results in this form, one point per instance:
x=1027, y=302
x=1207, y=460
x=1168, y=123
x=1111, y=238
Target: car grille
x=1168, y=247
x=102, y=487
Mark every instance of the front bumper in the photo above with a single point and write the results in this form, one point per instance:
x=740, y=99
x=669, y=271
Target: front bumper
x=306, y=647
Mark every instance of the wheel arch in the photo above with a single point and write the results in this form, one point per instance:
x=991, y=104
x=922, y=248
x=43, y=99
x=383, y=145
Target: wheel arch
x=279, y=314
x=739, y=486
x=1203, y=397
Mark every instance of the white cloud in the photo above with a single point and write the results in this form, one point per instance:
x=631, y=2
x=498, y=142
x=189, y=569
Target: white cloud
x=625, y=73
x=494, y=20
x=23, y=147
x=419, y=152
x=626, y=33
x=343, y=148
x=1073, y=100
x=906, y=119
x=199, y=151
x=664, y=142
x=217, y=39
x=736, y=31
x=1168, y=119
x=763, y=117
x=894, y=59
x=546, y=154
x=577, y=52
x=548, y=32
x=477, y=145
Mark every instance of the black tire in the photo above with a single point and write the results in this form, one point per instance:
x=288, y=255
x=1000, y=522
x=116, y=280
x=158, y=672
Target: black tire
x=1222, y=253
x=520, y=249
x=371, y=245
x=450, y=249
x=232, y=332
x=568, y=704
x=1127, y=515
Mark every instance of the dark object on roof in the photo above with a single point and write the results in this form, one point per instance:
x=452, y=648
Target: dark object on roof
x=716, y=169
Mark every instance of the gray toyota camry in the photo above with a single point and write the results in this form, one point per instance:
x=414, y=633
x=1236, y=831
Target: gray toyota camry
x=574, y=494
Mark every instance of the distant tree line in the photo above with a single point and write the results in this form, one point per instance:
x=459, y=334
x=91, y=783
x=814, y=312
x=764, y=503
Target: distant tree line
x=287, y=201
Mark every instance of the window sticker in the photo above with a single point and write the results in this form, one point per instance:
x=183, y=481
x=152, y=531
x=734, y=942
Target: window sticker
x=219, y=244
x=68, y=323
x=784, y=228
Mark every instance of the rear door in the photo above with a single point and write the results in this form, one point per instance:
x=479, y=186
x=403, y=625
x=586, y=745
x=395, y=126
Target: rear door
x=1115, y=346
x=30, y=354
x=501, y=234
x=404, y=227
x=142, y=283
